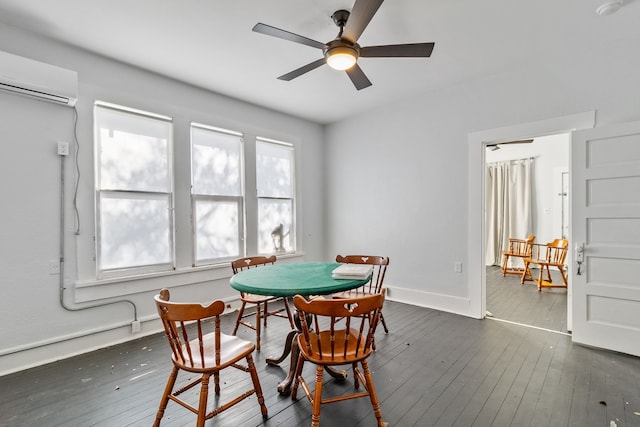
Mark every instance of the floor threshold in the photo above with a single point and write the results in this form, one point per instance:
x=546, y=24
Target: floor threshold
x=529, y=326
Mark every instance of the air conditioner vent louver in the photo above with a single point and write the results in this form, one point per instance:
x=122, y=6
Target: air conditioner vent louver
x=38, y=80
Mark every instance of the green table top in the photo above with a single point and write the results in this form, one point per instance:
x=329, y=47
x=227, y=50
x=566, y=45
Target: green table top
x=286, y=280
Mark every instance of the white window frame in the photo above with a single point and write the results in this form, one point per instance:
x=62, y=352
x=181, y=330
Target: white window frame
x=291, y=232
x=131, y=194
x=237, y=200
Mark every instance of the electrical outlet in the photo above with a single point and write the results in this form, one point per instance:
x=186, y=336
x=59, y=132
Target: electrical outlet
x=135, y=326
x=63, y=148
x=457, y=267
x=54, y=267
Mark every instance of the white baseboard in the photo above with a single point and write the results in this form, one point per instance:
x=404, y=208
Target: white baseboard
x=448, y=303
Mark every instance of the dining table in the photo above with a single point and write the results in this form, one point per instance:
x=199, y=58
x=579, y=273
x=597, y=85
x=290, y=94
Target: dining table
x=308, y=279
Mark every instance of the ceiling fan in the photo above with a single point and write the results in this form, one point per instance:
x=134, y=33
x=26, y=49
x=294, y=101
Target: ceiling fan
x=342, y=53
x=496, y=146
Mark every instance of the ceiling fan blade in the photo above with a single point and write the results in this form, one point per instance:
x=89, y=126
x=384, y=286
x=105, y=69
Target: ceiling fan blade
x=520, y=141
x=304, y=69
x=358, y=78
x=286, y=35
x=414, y=50
x=361, y=14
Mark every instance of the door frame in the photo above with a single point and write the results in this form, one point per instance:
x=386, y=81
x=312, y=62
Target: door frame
x=477, y=141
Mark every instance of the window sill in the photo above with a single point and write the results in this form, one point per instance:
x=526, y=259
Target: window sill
x=91, y=290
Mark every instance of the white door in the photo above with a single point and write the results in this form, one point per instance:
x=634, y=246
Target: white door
x=605, y=218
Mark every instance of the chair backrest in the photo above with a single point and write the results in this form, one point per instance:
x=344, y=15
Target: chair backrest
x=557, y=251
x=379, y=263
x=521, y=247
x=250, y=262
x=187, y=342
x=350, y=341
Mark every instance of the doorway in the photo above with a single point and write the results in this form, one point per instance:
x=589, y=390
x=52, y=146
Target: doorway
x=477, y=141
x=533, y=207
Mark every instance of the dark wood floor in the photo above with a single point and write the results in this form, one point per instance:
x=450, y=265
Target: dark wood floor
x=432, y=369
x=509, y=300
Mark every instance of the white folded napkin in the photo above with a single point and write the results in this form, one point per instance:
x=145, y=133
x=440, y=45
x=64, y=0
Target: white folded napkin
x=352, y=271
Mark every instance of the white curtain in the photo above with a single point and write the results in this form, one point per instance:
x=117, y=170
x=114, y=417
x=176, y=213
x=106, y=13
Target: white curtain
x=508, y=205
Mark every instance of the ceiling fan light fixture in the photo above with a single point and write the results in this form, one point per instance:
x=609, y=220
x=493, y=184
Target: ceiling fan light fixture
x=341, y=57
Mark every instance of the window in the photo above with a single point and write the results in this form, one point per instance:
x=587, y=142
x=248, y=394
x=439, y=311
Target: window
x=275, y=186
x=217, y=192
x=134, y=200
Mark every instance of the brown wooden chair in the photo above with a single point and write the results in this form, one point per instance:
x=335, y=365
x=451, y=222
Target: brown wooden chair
x=544, y=256
x=261, y=302
x=518, y=248
x=326, y=344
x=380, y=264
x=202, y=354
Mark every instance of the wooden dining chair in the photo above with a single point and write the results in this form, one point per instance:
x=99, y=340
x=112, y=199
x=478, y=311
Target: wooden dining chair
x=545, y=256
x=261, y=302
x=202, y=350
x=518, y=248
x=325, y=343
x=380, y=264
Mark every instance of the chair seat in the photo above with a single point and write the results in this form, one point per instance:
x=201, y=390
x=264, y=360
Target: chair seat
x=354, y=293
x=537, y=261
x=354, y=350
x=232, y=349
x=255, y=299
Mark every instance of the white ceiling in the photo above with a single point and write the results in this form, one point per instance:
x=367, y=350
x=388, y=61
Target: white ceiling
x=210, y=43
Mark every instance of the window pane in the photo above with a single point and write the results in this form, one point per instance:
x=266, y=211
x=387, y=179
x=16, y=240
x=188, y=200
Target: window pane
x=216, y=163
x=275, y=219
x=217, y=229
x=133, y=151
x=274, y=167
x=134, y=230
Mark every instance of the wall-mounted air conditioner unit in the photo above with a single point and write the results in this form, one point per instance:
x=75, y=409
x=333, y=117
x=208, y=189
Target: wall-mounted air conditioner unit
x=36, y=79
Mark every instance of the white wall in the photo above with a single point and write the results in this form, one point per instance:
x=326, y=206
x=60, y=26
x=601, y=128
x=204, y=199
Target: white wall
x=41, y=330
x=407, y=165
x=550, y=154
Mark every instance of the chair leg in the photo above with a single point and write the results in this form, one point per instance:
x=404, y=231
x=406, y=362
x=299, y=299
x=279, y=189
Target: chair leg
x=256, y=385
x=296, y=377
x=384, y=324
x=526, y=273
x=289, y=313
x=317, y=397
x=216, y=382
x=265, y=313
x=373, y=396
x=356, y=378
x=202, y=406
x=564, y=277
x=239, y=318
x=258, y=325
x=165, y=396
x=505, y=260
x=541, y=267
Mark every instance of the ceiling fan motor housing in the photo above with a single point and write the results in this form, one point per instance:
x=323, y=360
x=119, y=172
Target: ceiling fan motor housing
x=339, y=46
